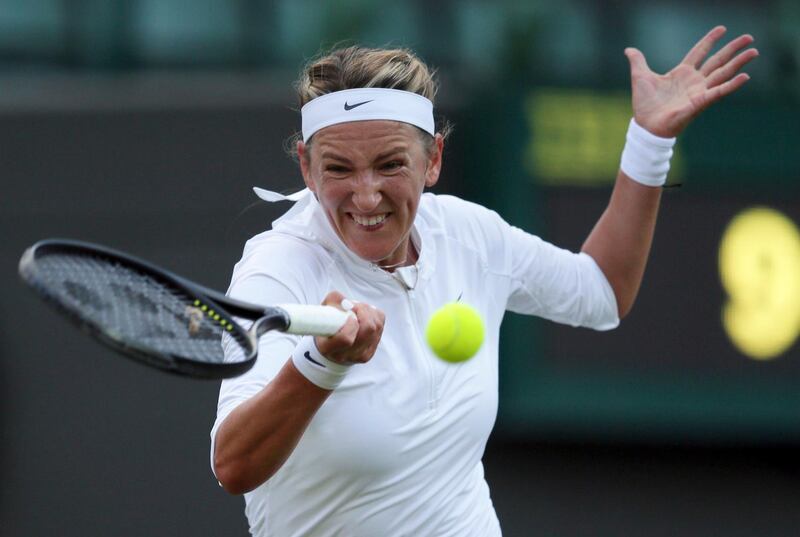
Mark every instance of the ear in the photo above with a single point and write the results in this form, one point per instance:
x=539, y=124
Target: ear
x=305, y=161
x=435, y=162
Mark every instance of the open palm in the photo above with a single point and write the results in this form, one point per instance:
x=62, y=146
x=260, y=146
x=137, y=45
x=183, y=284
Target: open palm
x=665, y=104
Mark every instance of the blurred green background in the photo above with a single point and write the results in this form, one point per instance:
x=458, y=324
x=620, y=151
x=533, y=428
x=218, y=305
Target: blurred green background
x=143, y=124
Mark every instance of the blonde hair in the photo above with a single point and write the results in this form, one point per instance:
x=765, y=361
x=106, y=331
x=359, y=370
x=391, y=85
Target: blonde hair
x=361, y=67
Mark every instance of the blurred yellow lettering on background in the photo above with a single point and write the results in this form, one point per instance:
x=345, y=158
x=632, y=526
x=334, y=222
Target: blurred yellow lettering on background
x=576, y=137
x=759, y=264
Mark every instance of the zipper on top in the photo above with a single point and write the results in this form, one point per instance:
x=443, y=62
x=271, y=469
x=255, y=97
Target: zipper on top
x=426, y=359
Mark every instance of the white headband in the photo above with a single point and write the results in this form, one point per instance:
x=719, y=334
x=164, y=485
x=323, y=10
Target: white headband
x=365, y=104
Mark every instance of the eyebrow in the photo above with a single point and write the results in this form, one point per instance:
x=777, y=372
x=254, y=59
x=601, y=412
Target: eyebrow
x=390, y=152
x=385, y=154
x=334, y=156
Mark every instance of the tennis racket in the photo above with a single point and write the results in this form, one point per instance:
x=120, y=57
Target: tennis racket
x=159, y=318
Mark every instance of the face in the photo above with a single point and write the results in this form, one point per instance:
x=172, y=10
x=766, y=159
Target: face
x=369, y=177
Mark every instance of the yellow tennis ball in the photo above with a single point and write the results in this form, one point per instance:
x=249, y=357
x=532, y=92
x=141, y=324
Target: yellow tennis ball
x=455, y=332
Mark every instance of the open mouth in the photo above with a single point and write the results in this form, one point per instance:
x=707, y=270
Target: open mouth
x=369, y=221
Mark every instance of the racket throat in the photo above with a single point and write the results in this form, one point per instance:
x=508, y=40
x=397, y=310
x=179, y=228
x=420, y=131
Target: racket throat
x=275, y=319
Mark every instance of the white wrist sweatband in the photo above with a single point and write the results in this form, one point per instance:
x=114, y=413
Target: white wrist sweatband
x=645, y=158
x=315, y=367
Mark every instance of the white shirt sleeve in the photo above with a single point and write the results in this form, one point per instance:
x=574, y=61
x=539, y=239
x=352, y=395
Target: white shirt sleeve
x=557, y=284
x=545, y=280
x=273, y=270
x=274, y=348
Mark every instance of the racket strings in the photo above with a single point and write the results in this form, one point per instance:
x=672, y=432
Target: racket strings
x=133, y=308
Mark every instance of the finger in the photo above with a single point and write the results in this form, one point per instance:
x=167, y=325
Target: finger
x=637, y=61
x=346, y=336
x=369, y=319
x=334, y=298
x=726, y=72
x=703, y=47
x=338, y=300
x=337, y=347
x=717, y=93
x=370, y=346
x=725, y=54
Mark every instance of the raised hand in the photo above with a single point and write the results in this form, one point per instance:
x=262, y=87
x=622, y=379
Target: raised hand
x=665, y=104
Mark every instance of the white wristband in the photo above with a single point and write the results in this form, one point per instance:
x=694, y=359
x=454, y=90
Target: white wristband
x=315, y=367
x=645, y=158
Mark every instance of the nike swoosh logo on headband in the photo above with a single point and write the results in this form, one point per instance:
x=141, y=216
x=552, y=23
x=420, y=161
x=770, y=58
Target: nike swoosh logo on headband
x=351, y=106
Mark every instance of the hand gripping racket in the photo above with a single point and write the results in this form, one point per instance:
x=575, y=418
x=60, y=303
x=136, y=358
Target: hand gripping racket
x=157, y=317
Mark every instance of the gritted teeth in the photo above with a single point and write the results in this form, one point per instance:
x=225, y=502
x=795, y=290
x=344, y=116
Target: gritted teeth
x=369, y=220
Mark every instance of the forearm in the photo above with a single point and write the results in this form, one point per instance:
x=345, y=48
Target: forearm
x=663, y=105
x=620, y=241
x=259, y=435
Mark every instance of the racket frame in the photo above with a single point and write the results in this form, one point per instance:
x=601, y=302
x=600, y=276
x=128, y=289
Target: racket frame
x=266, y=318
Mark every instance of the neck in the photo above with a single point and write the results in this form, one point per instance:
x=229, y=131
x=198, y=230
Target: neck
x=410, y=258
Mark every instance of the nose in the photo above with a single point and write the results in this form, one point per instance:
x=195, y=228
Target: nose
x=367, y=193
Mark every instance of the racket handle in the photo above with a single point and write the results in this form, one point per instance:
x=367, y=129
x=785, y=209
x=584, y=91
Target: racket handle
x=310, y=320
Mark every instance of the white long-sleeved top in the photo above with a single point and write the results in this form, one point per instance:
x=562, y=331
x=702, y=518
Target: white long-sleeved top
x=396, y=449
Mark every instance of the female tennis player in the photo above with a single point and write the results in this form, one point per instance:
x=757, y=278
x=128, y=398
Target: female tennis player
x=366, y=432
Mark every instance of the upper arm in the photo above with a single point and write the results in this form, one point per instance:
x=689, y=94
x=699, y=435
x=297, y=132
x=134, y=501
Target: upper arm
x=559, y=285
x=274, y=348
x=266, y=275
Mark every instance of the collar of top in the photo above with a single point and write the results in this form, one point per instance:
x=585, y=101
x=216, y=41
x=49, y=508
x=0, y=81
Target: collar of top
x=365, y=104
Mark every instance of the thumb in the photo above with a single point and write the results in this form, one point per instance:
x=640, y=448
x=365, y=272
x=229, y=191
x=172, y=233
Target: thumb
x=637, y=61
x=334, y=298
x=339, y=301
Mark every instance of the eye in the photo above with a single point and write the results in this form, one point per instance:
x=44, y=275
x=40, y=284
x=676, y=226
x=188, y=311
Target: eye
x=392, y=165
x=336, y=169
